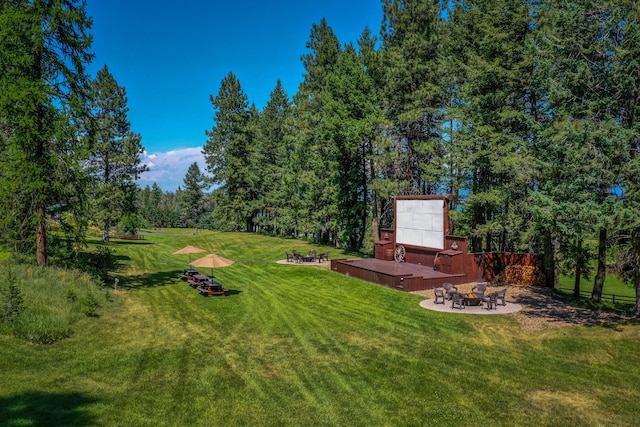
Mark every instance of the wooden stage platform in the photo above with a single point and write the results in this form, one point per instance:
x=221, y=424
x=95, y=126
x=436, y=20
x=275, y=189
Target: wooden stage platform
x=397, y=275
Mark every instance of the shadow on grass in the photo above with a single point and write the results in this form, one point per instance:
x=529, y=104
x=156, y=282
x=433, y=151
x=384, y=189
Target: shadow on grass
x=129, y=242
x=162, y=278
x=230, y=292
x=555, y=307
x=35, y=408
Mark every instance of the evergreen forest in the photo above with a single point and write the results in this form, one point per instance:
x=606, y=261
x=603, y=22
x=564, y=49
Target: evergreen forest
x=525, y=111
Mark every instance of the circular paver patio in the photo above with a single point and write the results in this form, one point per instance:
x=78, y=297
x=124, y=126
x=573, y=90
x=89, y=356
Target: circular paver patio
x=429, y=304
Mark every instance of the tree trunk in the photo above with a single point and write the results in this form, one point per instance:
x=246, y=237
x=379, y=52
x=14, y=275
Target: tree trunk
x=576, y=285
x=105, y=232
x=41, y=236
x=635, y=244
x=548, y=260
x=375, y=223
x=598, y=284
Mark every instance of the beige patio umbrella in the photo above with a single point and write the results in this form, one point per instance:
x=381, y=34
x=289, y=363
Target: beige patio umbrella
x=189, y=250
x=212, y=261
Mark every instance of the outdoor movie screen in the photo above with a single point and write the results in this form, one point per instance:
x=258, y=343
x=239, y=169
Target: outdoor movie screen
x=420, y=223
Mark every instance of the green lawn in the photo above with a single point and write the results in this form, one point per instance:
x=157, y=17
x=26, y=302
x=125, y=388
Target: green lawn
x=613, y=285
x=296, y=345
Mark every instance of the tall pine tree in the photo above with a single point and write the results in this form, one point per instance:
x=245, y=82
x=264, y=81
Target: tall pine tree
x=114, y=159
x=44, y=46
x=227, y=155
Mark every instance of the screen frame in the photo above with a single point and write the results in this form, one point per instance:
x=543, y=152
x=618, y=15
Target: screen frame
x=429, y=235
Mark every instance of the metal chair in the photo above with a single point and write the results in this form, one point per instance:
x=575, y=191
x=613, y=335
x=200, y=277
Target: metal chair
x=439, y=296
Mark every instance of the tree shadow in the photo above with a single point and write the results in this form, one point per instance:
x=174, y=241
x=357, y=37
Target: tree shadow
x=46, y=409
x=128, y=242
x=150, y=280
x=548, y=305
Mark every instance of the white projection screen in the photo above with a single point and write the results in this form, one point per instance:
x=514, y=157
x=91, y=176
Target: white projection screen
x=420, y=222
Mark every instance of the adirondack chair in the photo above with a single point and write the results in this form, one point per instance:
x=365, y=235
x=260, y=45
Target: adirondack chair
x=500, y=297
x=457, y=299
x=448, y=289
x=491, y=301
x=479, y=288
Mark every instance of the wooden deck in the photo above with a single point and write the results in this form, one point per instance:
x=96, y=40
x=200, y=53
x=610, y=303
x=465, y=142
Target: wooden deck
x=396, y=275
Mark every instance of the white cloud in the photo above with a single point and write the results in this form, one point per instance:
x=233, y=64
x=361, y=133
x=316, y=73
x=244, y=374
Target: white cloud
x=169, y=169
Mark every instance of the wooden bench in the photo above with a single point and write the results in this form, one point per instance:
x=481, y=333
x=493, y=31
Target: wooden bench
x=212, y=290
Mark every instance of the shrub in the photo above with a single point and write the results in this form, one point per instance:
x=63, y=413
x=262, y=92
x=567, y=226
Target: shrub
x=130, y=223
x=11, y=298
x=99, y=263
x=89, y=305
x=71, y=295
x=104, y=259
x=12, y=304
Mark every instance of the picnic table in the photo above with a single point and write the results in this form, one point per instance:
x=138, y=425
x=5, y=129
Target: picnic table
x=213, y=288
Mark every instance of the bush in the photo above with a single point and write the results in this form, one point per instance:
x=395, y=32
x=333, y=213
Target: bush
x=90, y=305
x=11, y=304
x=130, y=224
x=99, y=263
x=71, y=294
x=104, y=259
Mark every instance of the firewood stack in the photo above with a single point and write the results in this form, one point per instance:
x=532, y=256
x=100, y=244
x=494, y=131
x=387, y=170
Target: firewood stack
x=524, y=275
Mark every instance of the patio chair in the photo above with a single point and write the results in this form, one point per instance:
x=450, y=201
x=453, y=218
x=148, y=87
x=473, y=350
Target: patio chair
x=289, y=257
x=500, y=296
x=297, y=256
x=323, y=257
x=457, y=299
x=313, y=255
x=478, y=294
x=448, y=289
x=479, y=288
x=490, y=300
x=439, y=296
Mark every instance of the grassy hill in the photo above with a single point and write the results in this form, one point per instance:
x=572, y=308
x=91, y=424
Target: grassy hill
x=297, y=345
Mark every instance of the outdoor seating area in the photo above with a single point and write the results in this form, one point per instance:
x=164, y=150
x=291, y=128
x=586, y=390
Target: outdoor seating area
x=313, y=256
x=203, y=283
x=478, y=299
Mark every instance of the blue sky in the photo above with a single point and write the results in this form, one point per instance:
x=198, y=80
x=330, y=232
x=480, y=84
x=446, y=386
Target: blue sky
x=170, y=56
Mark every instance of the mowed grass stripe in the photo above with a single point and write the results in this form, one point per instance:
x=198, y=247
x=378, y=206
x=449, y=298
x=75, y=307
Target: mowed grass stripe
x=297, y=345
